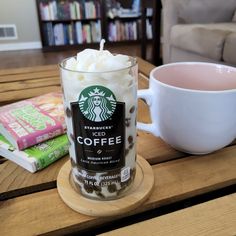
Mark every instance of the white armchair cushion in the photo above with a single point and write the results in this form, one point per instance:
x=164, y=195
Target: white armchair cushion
x=205, y=11
x=229, y=53
x=204, y=39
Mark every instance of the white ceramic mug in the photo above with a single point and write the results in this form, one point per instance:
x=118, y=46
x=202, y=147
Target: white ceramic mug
x=192, y=105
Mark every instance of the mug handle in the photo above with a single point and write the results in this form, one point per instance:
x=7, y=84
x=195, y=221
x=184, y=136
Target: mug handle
x=147, y=96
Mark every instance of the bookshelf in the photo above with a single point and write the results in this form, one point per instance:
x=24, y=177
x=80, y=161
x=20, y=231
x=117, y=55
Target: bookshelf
x=69, y=23
x=124, y=21
x=74, y=23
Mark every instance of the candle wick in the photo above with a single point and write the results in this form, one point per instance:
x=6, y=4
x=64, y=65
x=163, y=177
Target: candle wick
x=102, y=45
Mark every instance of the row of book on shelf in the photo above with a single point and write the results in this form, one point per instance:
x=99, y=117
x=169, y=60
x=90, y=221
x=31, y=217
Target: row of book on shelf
x=63, y=10
x=32, y=132
x=130, y=30
x=73, y=33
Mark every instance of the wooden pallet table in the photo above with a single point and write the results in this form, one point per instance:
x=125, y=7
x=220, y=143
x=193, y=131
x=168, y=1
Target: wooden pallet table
x=30, y=204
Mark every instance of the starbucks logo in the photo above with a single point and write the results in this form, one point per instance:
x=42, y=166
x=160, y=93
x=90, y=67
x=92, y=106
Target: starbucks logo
x=97, y=103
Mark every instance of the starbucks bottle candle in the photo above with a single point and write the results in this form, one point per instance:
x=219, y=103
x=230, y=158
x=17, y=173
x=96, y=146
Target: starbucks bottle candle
x=100, y=99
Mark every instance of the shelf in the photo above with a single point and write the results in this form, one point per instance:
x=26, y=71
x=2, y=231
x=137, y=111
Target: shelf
x=91, y=45
x=124, y=18
x=127, y=41
x=70, y=20
x=69, y=47
x=124, y=42
x=127, y=18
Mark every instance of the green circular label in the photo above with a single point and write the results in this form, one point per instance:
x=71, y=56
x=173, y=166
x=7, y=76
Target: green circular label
x=97, y=103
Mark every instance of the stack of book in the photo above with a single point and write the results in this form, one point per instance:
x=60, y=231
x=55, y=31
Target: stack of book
x=73, y=33
x=121, y=31
x=32, y=132
x=64, y=10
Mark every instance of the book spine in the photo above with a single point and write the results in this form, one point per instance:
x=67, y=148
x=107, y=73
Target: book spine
x=65, y=33
x=83, y=9
x=61, y=34
x=45, y=32
x=78, y=10
x=59, y=11
x=79, y=32
x=88, y=34
x=46, y=12
x=98, y=31
x=72, y=13
x=41, y=8
x=120, y=31
x=98, y=9
x=51, y=35
x=70, y=31
x=40, y=136
x=51, y=12
x=56, y=152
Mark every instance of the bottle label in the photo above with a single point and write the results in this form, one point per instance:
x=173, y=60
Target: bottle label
x=99, y=129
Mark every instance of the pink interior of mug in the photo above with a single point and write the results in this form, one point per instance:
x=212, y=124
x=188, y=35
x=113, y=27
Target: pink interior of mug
x=197, y=76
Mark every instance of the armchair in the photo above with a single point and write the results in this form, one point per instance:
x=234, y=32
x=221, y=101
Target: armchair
x=199, y=30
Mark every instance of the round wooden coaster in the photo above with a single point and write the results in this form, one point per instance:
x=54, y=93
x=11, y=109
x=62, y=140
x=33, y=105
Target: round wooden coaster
x=135, y=196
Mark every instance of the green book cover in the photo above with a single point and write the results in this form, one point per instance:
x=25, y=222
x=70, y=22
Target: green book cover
x=36, y=157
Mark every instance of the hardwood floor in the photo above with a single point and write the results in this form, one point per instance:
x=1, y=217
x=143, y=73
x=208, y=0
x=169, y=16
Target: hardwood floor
x=24, y=58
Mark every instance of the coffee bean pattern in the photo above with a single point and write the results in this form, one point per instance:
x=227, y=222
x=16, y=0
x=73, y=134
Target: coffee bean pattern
x=68, y=112
x=100, y=195
x=97, y=188
x=130, y=139
x=127, y=122
x=88, y=188
x=97, y=192
x=112, y=188
x=132, y=109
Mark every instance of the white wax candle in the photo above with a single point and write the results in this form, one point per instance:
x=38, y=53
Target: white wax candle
x=91, y=60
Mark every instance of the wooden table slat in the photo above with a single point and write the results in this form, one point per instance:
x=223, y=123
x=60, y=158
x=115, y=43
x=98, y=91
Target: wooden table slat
x=216, y=217
x=155, y=150
x=16, y=181
x=27, y=84
x=13, y=71
x=29, y=76
x=8, y=97
x=175, y=180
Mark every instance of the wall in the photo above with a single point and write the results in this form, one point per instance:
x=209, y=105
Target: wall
x=23, y=14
